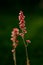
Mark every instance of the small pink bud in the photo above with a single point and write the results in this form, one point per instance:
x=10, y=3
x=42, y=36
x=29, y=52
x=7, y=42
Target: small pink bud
x=25, y=31
x=20, y=13
x=21, y=34
x=15, y=45
x=12, y=39
x=13, y=50
x=14, y=34
x=28, y=41
x=16, y=31
x=16, y=41
x=22, y=25
x=22, y=21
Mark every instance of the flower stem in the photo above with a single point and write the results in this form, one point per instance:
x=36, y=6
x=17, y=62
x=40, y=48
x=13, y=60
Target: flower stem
x=26, y=52
x=14, y=56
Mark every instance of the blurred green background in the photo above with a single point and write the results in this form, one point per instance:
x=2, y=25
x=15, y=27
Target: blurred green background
x=33, y=10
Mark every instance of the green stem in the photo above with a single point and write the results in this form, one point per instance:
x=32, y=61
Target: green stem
x=26, y=52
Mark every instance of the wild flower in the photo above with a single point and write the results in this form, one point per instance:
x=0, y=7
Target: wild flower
x=22, y=26
x=16, y=33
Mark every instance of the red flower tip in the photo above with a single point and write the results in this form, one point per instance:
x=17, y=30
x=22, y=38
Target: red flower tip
x=28, y=41
x=22, y=22
x=20, y=12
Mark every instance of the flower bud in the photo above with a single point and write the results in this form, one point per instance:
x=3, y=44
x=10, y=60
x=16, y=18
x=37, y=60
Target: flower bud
x=28, y=41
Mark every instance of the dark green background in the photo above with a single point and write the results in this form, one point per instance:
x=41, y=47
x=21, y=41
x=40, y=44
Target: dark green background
x=33, y=10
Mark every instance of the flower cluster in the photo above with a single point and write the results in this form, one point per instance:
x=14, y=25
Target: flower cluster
x=22, y=22
x=14, y=35
x=15, y=31
x=22, y=25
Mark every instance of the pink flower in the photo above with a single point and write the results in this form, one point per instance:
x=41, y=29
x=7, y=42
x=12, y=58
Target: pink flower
x=25, y=31
x=21, y=34
x=21, y=16
x=13, y=50
x=20, y=12
x=28, y=41
x=14, y=34
x=13, y=39
x=15, y=45
x=22, y=22
x=22, y=26
x=16, y=31
x=16, y=41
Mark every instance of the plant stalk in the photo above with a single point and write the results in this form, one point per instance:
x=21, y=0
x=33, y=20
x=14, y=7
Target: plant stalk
x=26, y=52
x=14, y=56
